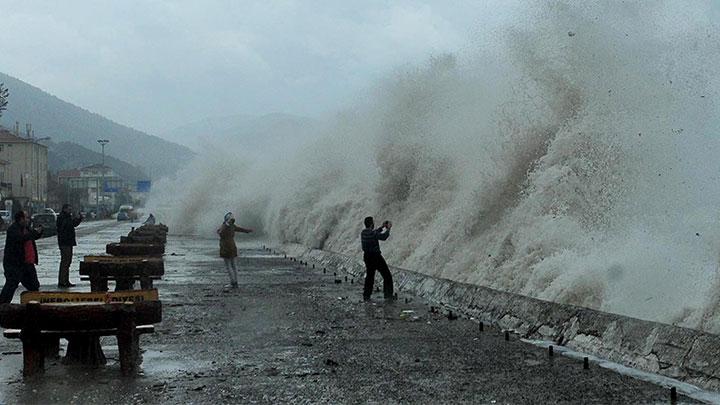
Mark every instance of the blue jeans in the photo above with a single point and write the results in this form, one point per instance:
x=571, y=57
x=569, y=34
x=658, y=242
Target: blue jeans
x=14, y=275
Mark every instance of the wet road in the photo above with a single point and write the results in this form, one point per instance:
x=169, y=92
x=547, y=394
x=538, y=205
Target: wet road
x=292, y=334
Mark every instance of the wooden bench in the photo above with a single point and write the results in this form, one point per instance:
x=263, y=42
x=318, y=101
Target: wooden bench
x=149, y=230
x=124, y=270
x=146, y=234
x=42, y=318
x=143, y=239
x=135, y=249
x=155, y=228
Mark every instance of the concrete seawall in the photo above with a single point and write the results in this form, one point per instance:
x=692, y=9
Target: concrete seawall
x=685, y=354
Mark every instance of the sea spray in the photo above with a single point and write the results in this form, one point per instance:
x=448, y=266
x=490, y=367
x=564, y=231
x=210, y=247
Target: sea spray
x=572, y=157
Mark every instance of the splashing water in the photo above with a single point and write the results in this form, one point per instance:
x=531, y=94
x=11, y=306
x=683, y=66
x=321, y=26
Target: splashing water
x=573, y=159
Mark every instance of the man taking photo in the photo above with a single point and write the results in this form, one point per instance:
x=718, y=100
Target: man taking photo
x=373, y=258
x=66, y=224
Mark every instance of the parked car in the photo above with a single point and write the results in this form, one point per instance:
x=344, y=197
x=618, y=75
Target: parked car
x=50, y=211
x=127, y=213
x=48, y=223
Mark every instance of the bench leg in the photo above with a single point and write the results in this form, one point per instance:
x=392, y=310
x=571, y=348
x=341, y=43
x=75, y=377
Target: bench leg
x=85, y=350
x=146, y=283
x=124, y=284
x=51, y=346
x=98, y=284
x=33, y=348
x=128, y=342
x=33, y=357
x=129, y=349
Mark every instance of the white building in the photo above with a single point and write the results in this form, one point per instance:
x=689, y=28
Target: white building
x=23, y=170
x=88, y=182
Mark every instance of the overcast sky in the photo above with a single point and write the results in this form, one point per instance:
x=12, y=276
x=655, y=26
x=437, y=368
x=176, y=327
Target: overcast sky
x=155, y=65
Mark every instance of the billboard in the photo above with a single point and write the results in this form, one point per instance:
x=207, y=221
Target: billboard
x=143, y=186
x=109, y=188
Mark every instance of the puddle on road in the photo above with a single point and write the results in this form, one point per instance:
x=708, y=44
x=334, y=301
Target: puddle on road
x=168, y=362
x=261, y=256
x=10, y=369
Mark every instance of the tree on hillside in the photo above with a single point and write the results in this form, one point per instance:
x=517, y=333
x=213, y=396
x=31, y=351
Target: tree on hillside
x=4, y=93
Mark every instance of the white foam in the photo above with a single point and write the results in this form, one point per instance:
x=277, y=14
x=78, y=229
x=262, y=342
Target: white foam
x=576, y=168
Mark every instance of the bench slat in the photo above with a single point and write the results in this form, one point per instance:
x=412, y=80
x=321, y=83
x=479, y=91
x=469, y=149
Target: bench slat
x=142, y=329
x=79, y=317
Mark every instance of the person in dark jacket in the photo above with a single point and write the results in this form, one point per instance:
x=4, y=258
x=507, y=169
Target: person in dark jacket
x=372, y=256
x=20, y=257
x=228, y=248
x=66, y=225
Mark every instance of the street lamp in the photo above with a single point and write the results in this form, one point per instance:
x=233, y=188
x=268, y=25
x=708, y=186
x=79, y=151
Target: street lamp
x=36, y=141
x=102, y=143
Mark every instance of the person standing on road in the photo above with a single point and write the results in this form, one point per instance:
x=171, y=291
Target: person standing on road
x=20, y=257
x=228, y=249
x=372, y=256
x=66, y=224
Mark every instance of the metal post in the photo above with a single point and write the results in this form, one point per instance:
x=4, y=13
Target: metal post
x=102, y=173
x=102, y=143
x=97, y=198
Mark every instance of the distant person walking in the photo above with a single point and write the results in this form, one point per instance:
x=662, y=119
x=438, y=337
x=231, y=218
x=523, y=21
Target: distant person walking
x=20, y=257
x=228, y=249
x=372, y=256
x=66, y=224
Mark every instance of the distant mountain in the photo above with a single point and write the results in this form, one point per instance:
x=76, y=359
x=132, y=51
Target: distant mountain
x=65, y=122
x=68, y=155
x=250, y=132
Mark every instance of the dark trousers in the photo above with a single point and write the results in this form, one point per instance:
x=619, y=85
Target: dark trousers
x=15, y=275
x=66, y=254
x=375, y=262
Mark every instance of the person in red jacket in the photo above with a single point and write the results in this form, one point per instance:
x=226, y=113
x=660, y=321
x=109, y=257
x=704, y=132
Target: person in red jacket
x=20, y=257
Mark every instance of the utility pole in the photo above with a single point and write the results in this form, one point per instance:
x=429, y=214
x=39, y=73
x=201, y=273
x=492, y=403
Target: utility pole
x=102, y=143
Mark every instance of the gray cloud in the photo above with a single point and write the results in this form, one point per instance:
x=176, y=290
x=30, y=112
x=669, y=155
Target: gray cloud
x=157, y=64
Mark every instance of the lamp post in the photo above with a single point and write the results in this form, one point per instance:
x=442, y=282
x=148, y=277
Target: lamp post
x=102, y=143
x=38, y=181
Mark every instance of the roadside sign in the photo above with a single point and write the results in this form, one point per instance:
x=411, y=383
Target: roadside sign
x=69, y=298
x=143, y=186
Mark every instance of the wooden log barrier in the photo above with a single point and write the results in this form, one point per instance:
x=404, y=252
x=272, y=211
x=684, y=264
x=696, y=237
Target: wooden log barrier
x=33, y=354
x=85, y=316
x=128, y=340
x=81, y=318
x=149, y=231
x=157, y=228
x=145, y=239
x=125, y=270
x=135, y=249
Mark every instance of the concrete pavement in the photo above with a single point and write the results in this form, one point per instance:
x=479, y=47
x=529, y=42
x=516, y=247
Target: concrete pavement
x=291, y=334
